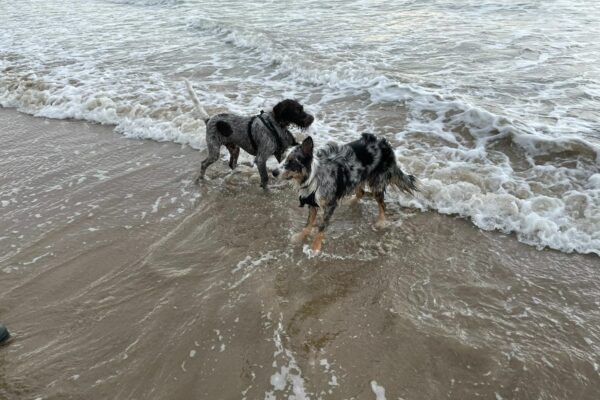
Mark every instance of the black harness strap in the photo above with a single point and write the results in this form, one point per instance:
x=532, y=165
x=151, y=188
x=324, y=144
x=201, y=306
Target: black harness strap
x=273, y=132
x=249, y=132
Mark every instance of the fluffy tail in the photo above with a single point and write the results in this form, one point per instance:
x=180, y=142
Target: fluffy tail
x=199, y=109
x=404, y=182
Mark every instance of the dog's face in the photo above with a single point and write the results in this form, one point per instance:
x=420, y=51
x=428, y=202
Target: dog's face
x=297, y=163
x=291, y=112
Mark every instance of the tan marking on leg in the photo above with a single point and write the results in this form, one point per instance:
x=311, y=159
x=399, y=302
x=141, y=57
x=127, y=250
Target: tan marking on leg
x=317, y=243
x=312, y=217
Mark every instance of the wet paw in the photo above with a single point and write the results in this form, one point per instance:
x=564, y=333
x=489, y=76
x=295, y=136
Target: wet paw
x=297, y=238
x=197, y=179
x=316, y=246
x=380, y=224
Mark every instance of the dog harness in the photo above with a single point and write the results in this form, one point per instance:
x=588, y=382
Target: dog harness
x=272, y=131
x=249, y=132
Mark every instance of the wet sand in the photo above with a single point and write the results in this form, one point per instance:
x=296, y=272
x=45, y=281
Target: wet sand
x=120, y=279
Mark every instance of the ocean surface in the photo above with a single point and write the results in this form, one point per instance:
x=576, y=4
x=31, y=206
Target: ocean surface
x=493, y=105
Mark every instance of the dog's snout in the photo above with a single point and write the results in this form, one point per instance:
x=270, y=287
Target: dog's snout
x=287, y=175
x=309, y=119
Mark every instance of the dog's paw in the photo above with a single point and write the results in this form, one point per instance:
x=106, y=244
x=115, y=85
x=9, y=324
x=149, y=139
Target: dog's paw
x=310, y=253
x=315, y=249
x=380, y=224
x=197, y=178
x=297, y=238
x=317, y=243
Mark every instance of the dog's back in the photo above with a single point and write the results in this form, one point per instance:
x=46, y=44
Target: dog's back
x=370, y=160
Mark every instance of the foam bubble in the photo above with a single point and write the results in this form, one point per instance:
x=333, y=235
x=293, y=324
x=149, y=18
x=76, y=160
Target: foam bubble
x=378, y=390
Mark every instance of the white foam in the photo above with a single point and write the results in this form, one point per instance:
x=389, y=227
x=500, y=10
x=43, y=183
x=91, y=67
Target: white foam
x=248, y=266
x=289, y=374
x=537, y=220
x=378, y=390
x=148, y=2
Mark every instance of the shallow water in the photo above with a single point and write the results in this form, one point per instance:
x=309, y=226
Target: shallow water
x=493, y=105
x=121, y=279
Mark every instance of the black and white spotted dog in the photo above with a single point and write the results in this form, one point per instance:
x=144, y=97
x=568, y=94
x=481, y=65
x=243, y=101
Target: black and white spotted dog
x=262, y=135
x=336, y=171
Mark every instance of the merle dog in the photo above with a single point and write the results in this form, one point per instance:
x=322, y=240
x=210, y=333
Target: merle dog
x=339, y=170
x=261, y=135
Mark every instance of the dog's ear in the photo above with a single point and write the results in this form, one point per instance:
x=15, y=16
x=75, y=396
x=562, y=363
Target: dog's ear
x=307, y=146
x=279, y=110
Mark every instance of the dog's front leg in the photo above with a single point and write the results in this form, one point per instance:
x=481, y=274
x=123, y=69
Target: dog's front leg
x=312, y=217
x=261, y=163
x=327, y=213
x=380, y=196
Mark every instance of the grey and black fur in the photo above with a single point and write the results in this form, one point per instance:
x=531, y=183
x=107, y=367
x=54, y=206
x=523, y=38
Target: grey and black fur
x=336, y=171
x=232, y=131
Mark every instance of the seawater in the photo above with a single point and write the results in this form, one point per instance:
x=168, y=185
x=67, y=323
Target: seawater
x=493, y=105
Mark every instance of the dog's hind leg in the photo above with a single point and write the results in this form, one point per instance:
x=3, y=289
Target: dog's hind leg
x=234, y=153
x=380, y=198
x=359, y=193
x=327, y=213
x=312, y=217
x=213, y=155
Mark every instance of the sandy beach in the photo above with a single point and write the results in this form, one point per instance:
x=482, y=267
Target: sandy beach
x=120, y=279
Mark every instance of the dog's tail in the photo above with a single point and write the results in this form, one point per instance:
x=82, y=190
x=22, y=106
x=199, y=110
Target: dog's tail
x=406, y=183
x=199, y=109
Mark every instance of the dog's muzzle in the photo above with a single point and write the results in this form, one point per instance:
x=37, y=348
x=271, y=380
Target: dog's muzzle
x=308, y=120
x=287, y=175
